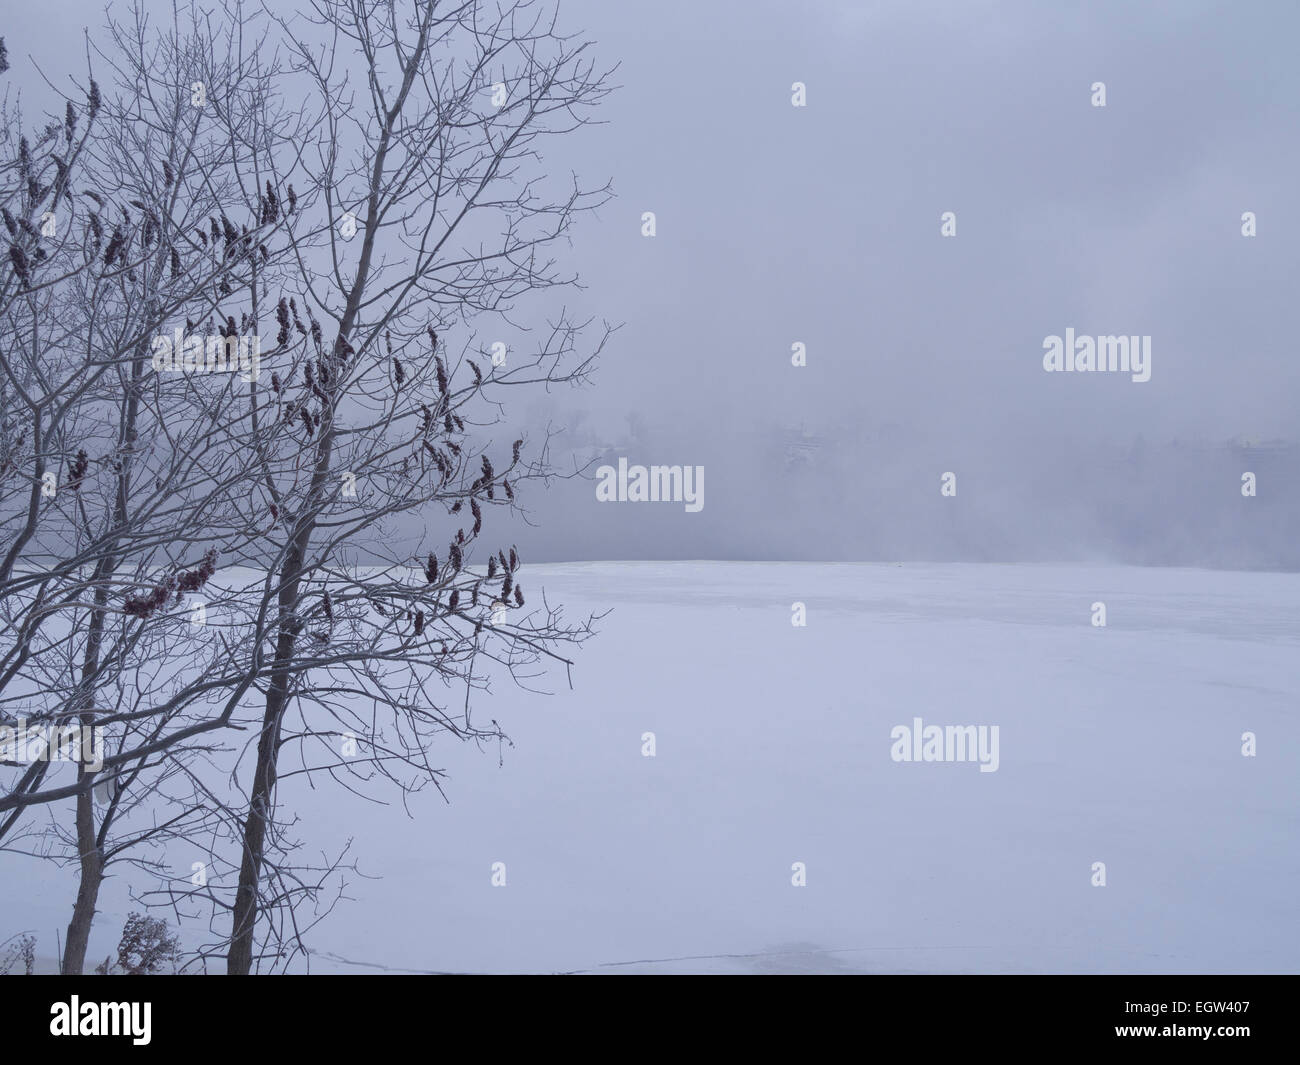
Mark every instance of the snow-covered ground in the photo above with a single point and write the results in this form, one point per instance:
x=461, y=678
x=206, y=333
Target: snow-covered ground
x=1120, y=745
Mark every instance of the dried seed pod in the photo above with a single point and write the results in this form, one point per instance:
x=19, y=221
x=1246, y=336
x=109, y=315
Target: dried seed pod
x=282, y=317
x=77, y=470
x=144, y=606
x=116, y=246
x=270, y=205
x=194, y=579
x=20, y=264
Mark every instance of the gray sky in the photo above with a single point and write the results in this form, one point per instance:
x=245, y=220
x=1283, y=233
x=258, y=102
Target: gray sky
x=821, y=224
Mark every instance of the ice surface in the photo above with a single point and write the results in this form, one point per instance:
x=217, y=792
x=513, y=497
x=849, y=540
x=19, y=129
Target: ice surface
x=1119, y=744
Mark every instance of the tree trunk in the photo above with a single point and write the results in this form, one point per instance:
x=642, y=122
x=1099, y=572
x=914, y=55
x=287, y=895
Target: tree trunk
x=88, y=848
x=88, y=836
x=92, y=875
x=239, y=960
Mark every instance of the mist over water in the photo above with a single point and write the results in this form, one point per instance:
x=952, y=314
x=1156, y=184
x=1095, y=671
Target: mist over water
x=821, y=225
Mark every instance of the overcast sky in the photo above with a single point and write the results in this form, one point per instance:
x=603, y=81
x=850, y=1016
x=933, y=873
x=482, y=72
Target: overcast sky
x=821, y=224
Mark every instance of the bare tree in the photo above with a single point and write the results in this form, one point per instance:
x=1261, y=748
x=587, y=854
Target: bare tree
x=422, y=214
x=92, y=573
x=435, y=112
